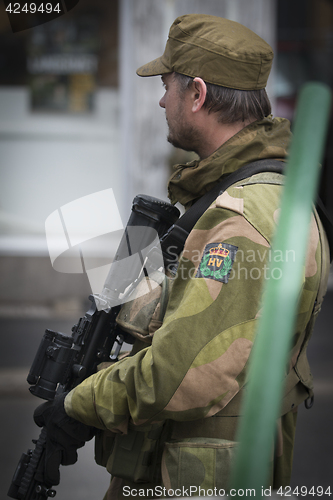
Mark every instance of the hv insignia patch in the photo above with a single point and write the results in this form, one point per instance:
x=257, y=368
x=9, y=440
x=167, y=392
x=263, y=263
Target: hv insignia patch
x=217, y=261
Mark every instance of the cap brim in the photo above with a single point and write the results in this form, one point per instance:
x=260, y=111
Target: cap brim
x=154, y=68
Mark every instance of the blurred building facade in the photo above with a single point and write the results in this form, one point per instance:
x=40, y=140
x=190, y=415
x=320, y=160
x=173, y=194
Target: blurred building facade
x=75, y=119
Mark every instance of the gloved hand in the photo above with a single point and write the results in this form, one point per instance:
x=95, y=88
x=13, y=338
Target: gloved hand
x=64, y=436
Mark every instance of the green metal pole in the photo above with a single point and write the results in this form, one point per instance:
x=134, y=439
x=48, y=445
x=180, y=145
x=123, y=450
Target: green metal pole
x=270, y=351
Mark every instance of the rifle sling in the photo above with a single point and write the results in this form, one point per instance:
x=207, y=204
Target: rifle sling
x=176, y=236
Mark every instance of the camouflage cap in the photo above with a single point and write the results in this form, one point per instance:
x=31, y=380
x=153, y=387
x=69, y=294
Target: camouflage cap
x=217, y=50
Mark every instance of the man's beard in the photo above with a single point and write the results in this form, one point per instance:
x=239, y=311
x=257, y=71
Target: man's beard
x=184, y=136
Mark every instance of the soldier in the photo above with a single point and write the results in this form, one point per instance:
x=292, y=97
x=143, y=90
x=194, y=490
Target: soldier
x=168, y=413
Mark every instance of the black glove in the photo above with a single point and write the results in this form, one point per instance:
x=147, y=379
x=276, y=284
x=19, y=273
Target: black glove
x=64, y=436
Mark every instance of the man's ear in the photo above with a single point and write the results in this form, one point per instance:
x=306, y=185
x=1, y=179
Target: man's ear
x=200, y=91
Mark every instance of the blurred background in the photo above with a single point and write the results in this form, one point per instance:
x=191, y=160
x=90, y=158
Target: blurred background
x=75, y=119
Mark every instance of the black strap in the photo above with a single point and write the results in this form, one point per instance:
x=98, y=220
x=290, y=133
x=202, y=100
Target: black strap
x=173, y=241
x=327, y=222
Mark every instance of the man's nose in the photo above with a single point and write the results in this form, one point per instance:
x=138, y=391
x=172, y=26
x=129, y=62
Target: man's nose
x=162, y=102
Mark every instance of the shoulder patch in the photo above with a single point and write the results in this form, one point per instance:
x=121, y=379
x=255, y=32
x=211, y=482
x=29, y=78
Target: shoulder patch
x=217, y=261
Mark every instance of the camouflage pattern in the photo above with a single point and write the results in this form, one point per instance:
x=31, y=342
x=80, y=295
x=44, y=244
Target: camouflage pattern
x=284, y=449
x=143, y=315
x=197, y=363
x=260, y=140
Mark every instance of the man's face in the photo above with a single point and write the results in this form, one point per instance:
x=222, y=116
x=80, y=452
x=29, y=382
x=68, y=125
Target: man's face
x=177, y=105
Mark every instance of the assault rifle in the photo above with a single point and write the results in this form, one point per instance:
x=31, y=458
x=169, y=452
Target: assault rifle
x=62, y=361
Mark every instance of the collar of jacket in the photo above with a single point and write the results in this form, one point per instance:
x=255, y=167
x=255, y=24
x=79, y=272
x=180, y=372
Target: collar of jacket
x=267, y=138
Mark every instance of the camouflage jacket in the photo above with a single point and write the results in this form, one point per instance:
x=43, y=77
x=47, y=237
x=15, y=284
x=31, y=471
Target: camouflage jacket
x=197, y=362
